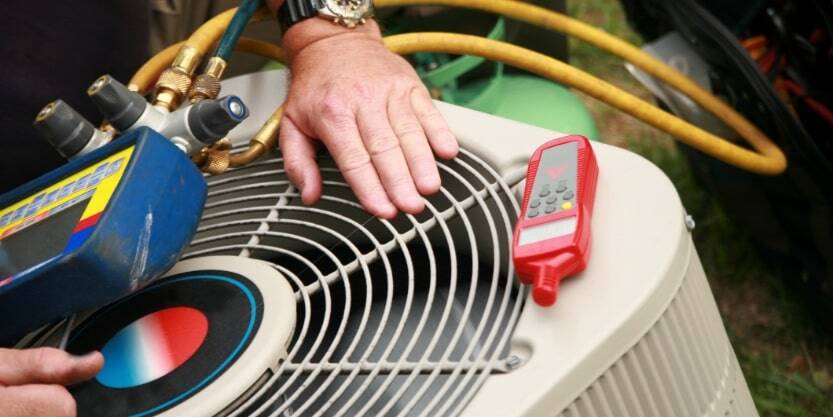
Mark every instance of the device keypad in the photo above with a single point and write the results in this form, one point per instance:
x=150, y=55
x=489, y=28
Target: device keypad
x=550, y=199
x=555, y=183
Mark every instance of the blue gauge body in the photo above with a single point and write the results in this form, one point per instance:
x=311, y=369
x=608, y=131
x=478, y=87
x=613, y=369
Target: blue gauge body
x=95, y=230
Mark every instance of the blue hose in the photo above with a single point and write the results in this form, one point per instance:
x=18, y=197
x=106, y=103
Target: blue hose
x=238, y=23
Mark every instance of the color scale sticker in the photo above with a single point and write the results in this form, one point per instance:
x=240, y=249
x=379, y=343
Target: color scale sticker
x=152, y=347
x=96, y=182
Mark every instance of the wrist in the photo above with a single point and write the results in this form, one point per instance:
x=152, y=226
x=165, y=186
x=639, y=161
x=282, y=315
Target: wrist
x=274, y=5
x=317, y=29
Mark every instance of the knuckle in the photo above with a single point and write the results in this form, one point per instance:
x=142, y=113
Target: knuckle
x=429, y=112
x=333, y=108
x=408, y=128
x=402, y=182
x=353, y=159
x=364, y=90
x=291, y=168
x=379, y=143
x=292, y=163
x=50, y=360
x=404, y=86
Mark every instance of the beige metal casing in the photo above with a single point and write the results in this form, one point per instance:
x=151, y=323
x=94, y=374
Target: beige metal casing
x=637, y=334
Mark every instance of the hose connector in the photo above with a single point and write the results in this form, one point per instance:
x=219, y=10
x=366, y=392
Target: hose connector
x=216, y=162
x=264, y=141
x=207, y=84
x=200, y=125
x=69, y=133
x=268, y=133
x=190, y=128
x=211, y=120
x=174, y=82
x=121, y=107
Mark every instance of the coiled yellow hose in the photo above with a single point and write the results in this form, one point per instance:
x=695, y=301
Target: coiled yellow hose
x=768, y=160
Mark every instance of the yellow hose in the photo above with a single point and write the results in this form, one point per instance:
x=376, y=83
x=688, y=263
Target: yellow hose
x=144, y=78
x=769, y=159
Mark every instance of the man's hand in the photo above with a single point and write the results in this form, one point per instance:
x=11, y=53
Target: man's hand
x=371, y=111
x=32, y=381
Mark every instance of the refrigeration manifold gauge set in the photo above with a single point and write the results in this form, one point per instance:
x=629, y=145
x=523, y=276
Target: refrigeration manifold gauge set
x=118, y=215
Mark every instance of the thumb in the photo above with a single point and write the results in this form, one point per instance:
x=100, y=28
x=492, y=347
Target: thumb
x=47, y=366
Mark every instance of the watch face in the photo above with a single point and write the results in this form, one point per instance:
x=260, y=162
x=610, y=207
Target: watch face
x=350, y=10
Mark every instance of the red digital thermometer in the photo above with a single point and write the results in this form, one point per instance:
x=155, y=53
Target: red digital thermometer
x=552, y=237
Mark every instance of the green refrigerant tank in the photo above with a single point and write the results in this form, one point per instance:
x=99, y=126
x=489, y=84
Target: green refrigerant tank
x=517, y=96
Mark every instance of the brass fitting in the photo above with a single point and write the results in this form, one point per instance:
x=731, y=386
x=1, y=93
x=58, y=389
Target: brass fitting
x=106, y=127
x=264, y=141
x=214, y=159
x=216, y=162
x=207, y=84
x=223, y=144
x=175, y=81
x=187, y=60
x=217, y=159
x=268, y=133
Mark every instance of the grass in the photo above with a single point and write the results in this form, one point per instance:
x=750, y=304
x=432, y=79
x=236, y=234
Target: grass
x=786, y=356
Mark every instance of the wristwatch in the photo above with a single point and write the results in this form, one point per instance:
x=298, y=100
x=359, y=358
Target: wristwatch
x=348, y=13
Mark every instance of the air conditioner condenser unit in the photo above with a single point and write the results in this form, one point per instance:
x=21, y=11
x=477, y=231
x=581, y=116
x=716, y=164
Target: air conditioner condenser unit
x=423, y=315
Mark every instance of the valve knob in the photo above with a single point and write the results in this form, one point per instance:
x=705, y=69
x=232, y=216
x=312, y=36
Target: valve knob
x=64, y=128
x=211, y=120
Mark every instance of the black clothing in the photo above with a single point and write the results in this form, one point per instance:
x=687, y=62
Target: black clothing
x=56, y=49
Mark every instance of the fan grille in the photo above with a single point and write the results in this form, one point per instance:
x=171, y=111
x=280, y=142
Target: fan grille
x=405, y=317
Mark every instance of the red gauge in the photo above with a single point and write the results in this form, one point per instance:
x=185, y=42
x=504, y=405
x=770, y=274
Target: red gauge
x=552, y=237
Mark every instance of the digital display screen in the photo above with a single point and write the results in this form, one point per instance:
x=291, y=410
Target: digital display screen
x=40, y=241
x=551, y=230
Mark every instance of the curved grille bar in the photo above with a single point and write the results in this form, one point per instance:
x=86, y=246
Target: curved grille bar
x=405, y=317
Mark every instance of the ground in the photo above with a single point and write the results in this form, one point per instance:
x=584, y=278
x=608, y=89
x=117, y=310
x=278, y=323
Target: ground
x=786, y=356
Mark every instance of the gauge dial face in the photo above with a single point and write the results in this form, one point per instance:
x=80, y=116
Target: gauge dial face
x=350, y=10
